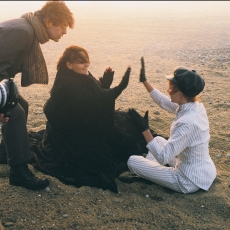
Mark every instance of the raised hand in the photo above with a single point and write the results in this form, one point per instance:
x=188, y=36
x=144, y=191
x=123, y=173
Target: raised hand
x=107, y=78
x=125, y=80
x=142, y=73
x=142, y=123
x=123, y=84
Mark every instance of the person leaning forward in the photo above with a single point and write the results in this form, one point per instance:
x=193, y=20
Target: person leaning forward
x=20, y=52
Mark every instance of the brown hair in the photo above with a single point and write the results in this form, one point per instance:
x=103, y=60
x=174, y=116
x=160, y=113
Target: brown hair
x=73, y=54
x=173, y=89
x=57, y=12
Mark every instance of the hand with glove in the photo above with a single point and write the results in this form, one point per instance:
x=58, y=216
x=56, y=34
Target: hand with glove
x=143, y=79
x=125, y=80
x=142, y=123
x=107, y=78
x=123, y=84
x=142, y=73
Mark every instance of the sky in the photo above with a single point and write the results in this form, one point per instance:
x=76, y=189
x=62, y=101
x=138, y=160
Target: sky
x=113, y=9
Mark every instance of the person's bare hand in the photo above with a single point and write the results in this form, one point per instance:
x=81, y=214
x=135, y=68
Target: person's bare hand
x=3, y=119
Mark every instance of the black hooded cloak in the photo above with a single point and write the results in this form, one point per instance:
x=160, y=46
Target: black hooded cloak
x=86, y=142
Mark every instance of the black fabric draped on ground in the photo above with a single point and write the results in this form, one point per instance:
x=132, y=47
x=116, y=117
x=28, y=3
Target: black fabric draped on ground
x=96, y=162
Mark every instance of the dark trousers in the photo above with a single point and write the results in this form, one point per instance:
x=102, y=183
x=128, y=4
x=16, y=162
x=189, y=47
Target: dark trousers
x=15, y=135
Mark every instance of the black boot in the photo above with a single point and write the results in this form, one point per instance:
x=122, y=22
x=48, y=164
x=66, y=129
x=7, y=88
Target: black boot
x=21, y=175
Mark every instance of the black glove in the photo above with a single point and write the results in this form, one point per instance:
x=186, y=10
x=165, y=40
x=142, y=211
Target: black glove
x=123, y=84
x=107, y=79
x=142, y=73
x=125, y=80
x=142, y=123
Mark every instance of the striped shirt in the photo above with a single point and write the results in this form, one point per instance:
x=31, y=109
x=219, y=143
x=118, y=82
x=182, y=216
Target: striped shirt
x=188, y=141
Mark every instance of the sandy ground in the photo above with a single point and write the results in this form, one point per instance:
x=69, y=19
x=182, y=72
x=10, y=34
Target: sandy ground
x=196, y=42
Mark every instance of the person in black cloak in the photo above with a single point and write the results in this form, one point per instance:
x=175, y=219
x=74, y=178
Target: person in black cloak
x=86, y=141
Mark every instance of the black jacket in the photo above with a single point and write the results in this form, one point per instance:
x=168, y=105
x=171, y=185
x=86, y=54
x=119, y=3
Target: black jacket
x=87, y=142
x=81, y=130
x=79, y=105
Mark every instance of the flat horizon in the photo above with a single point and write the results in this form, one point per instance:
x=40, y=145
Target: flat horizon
x=121, y=9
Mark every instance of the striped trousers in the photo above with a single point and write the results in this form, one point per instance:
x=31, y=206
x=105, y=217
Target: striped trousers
x=170, y=177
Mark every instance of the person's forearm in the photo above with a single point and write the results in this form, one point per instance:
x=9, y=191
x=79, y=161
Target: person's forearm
x=147, y=135
x=117, y=91
x=148, y=86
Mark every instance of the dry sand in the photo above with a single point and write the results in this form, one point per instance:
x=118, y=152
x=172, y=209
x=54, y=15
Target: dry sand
x=196, y=42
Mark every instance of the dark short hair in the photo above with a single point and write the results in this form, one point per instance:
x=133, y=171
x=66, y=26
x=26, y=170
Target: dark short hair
x=72, y=54
x=57, y=12
x=189, y=82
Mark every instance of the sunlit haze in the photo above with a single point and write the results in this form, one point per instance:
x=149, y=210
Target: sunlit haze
x=112, y=30
x=120, y=9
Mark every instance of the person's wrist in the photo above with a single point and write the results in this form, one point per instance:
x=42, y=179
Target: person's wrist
x=147, y=135
x=145, y=131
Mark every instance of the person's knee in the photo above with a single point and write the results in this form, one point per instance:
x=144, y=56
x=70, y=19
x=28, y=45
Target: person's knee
x=133, y=161
x=17, y=114
x=25, y=105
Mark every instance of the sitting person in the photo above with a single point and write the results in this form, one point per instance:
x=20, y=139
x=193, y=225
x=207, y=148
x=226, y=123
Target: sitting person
x=186, y=151
x=86, y=142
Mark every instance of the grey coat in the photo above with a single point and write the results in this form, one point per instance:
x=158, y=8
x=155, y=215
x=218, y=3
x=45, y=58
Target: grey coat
x=16, y=37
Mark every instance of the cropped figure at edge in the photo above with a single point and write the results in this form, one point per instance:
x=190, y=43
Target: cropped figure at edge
x=20, y=52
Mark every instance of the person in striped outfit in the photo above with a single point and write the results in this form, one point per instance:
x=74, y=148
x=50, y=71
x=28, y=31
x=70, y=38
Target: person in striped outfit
x=187, y=149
